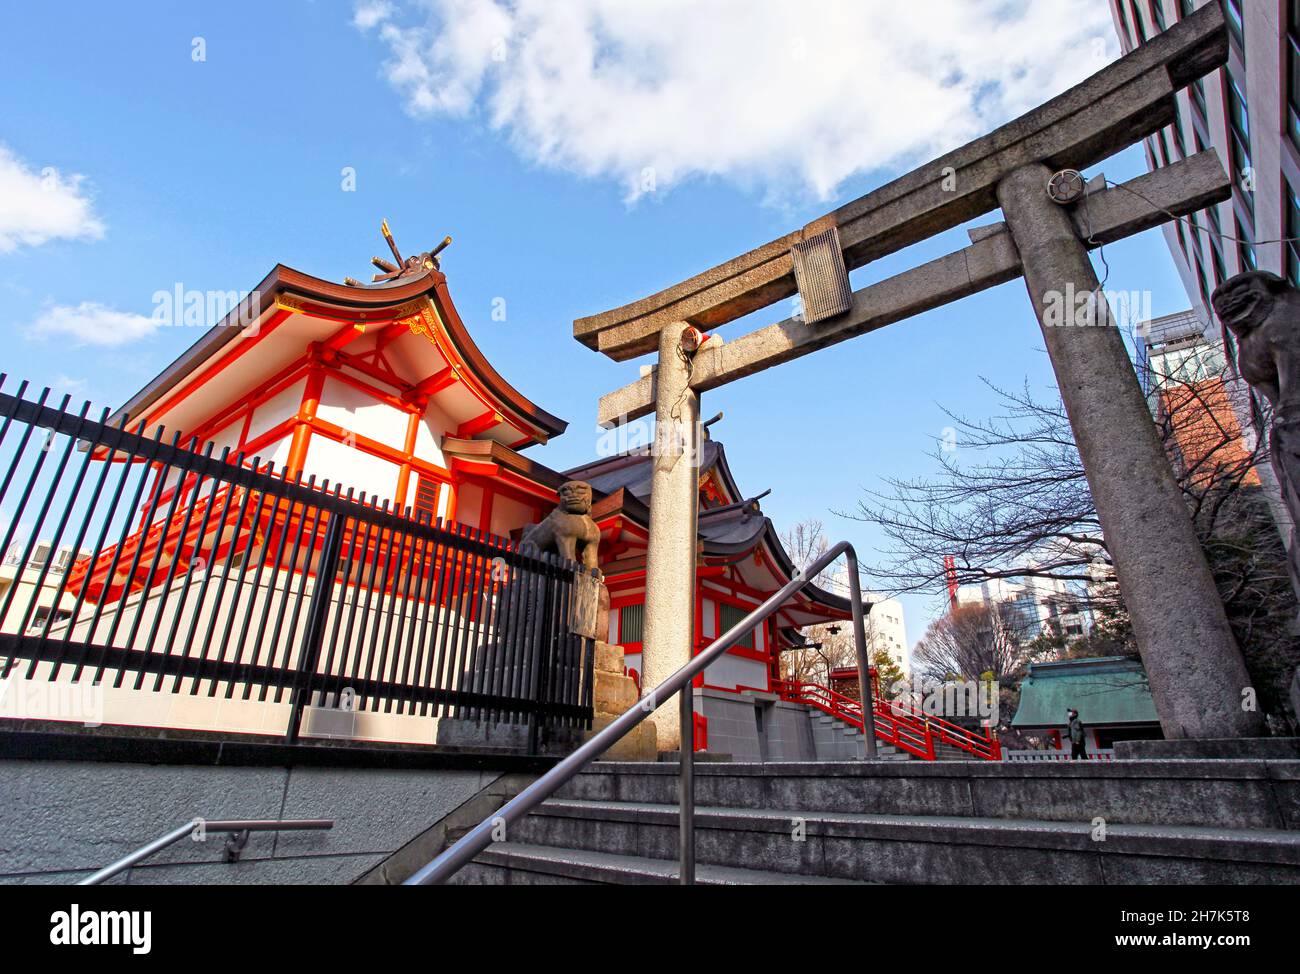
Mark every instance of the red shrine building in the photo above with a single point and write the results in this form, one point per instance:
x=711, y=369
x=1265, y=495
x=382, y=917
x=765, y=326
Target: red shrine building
x=379, y=388
x=382, y=389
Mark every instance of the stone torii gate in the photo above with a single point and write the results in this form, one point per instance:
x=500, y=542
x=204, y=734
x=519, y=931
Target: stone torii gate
x=1195, y=667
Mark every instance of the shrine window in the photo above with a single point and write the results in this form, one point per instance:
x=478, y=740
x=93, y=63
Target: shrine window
x=732, y=614
x=425, y=508
x=631, y=623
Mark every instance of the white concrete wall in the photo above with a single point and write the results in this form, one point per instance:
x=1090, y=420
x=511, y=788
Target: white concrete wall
x=732, y=671
x=337, y=462
x=349, y=407
x=433, y=427
x=63, y=820
x=283, y=405
x=508, y=514
x=469, y=504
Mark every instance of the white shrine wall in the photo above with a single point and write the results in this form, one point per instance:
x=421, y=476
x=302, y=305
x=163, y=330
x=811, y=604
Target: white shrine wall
x=283, y=405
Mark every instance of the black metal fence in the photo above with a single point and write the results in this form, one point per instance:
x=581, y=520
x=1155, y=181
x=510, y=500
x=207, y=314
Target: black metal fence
x=151, y=565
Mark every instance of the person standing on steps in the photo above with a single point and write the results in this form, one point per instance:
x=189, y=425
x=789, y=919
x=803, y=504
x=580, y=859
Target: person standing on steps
x=1078, y=751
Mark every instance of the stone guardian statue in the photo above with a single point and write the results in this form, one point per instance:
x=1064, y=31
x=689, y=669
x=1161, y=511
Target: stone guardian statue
x=1262, y=311
x=569, y=530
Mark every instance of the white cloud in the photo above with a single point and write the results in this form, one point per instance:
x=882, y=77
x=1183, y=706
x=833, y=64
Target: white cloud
x=36, y=207
x=91, y=323
x=368, y=14
x=788, y=97
x=72, y=386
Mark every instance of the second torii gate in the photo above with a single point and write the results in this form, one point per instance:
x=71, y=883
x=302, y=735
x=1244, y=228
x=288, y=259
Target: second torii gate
x=1196, y=670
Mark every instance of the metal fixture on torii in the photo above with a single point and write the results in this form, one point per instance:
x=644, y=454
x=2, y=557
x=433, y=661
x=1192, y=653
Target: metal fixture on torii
x=1029, y=169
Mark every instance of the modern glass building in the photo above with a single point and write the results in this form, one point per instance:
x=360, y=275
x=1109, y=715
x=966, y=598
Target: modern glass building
x=1248, y=112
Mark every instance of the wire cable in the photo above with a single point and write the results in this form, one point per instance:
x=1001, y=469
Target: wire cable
x=1192, y=224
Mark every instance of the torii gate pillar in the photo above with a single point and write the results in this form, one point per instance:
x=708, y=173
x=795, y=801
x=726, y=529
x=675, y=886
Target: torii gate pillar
x=1196, y=670
x=669, y=623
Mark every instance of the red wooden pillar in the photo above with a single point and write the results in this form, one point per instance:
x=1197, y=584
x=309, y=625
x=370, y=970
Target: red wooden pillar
x=303, y=422
x=408, y=452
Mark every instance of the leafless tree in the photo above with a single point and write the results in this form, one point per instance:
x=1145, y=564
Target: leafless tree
x=805, y=542
x=1023, y=508
x=825, y=652
x=1010, y=500
x=829, y=650
x=830, y=645
x=971, y=641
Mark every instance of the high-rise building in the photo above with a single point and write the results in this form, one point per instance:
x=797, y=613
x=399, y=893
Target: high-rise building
x=1174, y=349
x=887, y=632
x=1034, y=605
x=1249, y=113
x=1185, y=376
x=886, y=624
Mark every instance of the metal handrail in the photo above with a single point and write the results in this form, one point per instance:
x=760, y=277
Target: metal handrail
x=948, y=731
x=481, y=836
x=216, y=825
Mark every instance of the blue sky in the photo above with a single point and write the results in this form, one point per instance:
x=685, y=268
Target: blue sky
x=470, y=119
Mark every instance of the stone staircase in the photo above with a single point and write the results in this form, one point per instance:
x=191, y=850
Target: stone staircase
x=899, y=821
x=838, y=740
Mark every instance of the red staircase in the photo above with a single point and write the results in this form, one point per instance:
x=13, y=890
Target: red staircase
x=896, y=722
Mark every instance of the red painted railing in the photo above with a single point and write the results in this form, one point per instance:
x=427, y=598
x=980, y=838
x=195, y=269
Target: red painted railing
x=897, y=723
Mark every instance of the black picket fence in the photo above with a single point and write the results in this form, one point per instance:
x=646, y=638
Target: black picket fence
x=158, y=566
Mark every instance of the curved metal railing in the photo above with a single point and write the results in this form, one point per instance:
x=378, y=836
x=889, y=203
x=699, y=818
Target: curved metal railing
x=238, y=829
x=482, y=835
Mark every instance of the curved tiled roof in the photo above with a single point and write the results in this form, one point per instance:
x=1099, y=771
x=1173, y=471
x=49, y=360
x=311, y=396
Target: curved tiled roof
x=364, y=301
x=632, y=471
x=729, y=531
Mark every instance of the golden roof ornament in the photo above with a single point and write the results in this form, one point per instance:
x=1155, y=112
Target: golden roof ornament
x=404, y=267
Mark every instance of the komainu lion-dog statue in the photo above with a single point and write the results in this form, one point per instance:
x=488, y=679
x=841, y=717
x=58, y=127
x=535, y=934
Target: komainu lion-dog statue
x=569, y=530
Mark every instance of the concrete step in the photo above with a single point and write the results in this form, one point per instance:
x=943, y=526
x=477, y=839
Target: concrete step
x=521, y=864
x=887, y=752
x=1213, y=794
x=867, y=847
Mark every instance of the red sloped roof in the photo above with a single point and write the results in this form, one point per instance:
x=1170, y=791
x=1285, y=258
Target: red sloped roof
x=369, y=303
